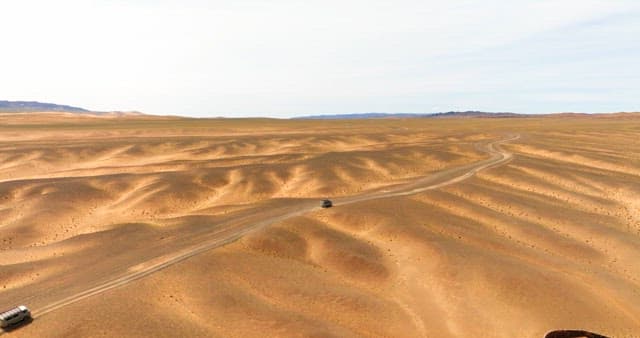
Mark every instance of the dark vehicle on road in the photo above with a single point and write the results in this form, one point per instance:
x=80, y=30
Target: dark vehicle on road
x=327, y=204
x=14, y=316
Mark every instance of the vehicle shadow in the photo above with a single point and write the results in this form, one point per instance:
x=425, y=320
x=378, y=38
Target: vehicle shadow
x=573, y=334
x=17, y=326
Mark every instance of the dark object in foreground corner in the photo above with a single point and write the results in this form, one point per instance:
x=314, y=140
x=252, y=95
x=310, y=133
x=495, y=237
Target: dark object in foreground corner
x=573, y=334
x=14, y=318
x=327, y=204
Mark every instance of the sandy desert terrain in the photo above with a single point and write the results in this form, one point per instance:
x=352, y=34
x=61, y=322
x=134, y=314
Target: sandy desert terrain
x=169, y=227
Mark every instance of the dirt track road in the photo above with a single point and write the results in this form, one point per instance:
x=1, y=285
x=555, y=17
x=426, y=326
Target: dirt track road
x=135, y=262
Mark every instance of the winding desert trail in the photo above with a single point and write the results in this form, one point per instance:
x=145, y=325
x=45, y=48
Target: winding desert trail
x=424, y=240
x=201, y=240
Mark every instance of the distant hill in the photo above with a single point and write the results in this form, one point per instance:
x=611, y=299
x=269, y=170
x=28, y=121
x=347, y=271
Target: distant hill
x=23, y=107
x=476, y=114
x=33, y=106
x=464, y=114
x=360, y=116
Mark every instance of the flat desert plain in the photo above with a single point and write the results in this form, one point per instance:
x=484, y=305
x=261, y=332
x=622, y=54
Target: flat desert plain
x=171, y=227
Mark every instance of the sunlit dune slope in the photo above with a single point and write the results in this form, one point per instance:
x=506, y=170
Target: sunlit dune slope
x=89, y=177
x=548, y=241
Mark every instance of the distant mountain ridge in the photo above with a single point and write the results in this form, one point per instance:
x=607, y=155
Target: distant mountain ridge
x=34, y=106
x=410, y=115
x=25, y=107
x=477, y=114
x=359, y=116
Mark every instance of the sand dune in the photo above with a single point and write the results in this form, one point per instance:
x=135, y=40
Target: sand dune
x=548, y=241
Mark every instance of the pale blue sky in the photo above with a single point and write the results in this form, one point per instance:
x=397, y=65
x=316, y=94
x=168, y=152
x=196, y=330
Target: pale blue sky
x=289, y=58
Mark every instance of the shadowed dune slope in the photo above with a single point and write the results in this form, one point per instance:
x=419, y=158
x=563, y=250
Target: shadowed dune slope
x=549, y=241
